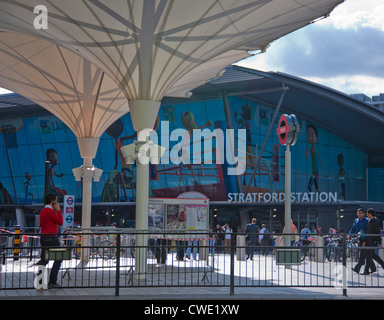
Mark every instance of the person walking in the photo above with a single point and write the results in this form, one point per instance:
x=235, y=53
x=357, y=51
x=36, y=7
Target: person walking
x=193, y=246
x=50, y=218
x=227, y=238
x=264, y=238
x=251, y=231
x=292, y=233
x=373, y=239
x=219, y=237
x=359, y=227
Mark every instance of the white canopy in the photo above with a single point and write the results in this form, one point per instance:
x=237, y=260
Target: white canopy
x=86, y=99
x=152, y=48
x=69, y=86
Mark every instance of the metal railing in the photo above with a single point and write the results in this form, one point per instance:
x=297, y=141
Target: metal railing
x=193, y=259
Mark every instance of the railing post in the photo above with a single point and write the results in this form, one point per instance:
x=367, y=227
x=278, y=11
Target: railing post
x=117, y=286
x=16, y=243
x=344, y=244
x=32, y=240
x=232, y=266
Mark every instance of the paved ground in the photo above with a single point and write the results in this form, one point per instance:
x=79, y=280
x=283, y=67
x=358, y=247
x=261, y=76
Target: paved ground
x=261, y=271
x=197, y=293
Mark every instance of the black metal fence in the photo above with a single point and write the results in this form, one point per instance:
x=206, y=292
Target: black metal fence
x=114, y=259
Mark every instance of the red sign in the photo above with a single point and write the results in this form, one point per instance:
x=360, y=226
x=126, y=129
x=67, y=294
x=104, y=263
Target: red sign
x=288, y=129
x=70, y=200
x=282, y=129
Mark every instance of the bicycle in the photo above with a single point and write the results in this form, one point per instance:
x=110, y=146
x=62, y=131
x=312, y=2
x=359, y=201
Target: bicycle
x=307, y=250
x=333, y=249
x=353, y=249
x=107, y=248
x=94, y=242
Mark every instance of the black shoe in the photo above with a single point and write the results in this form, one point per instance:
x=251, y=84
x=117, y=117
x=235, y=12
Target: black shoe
x=365, y=273
x=357, y=271
x=53, y=286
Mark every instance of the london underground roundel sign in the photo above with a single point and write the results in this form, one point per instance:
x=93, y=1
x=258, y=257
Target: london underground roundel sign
x=288, y=129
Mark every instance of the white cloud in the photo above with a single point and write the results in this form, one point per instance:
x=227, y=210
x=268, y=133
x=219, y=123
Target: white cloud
x=4, y=91
x=343, y=51
x=370, y=86
x=356, y=13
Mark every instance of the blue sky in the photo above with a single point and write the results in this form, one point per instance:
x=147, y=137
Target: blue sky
x=344, y=51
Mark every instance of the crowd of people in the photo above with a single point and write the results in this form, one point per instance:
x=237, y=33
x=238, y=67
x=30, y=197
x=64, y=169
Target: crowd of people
x=257, y=239
x=261, y=240
x=366, y=227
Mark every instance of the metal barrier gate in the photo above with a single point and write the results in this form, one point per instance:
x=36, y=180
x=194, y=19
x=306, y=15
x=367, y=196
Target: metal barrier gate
x=194, y=260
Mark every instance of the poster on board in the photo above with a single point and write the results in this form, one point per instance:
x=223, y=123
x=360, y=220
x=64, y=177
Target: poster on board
x=178, y=215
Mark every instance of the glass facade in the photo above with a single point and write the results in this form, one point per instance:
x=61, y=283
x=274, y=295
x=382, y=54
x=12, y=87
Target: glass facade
x=322, y=163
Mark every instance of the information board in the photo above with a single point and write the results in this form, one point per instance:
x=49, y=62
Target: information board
x=175, y=215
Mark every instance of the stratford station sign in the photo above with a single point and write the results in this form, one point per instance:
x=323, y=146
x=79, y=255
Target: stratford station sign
x=276, y=197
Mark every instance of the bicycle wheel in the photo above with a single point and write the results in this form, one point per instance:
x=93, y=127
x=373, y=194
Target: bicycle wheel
x=303, y=254
x=350, y=253
x=354, y=253
x=106, y=250
x=312, y=252
x=329, y=252
x=299, y=244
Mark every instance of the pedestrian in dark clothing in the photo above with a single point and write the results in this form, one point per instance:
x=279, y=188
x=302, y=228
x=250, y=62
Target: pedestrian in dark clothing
x=373, y=239
x=219, y=235
x=251, y=231
x=159, y=250
x=360, y=227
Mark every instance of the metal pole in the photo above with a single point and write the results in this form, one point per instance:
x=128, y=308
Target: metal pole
x=10, y=167
x=287, y=202
x=16, y=243
x=232, y=275
x=46, y=180
x=284, y=88
x=117, y=286
x=344, y=243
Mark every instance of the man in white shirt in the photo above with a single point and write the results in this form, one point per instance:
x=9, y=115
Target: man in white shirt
x=227, y=238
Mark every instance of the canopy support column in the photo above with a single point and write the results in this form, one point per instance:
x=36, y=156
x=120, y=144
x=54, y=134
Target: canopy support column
x=144, y=114
x=88, y=148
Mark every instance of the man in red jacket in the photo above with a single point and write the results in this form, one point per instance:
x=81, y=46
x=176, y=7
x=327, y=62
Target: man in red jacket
x=50, y=218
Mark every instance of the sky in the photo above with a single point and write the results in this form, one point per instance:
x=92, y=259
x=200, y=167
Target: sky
x=344, y=51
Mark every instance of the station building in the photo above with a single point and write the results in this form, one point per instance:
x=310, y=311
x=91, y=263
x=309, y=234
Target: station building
x=337, y=162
